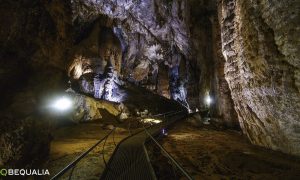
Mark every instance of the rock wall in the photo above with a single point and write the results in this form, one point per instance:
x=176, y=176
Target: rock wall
x=34, y=44
x=260, y=43
x=207, y=64
x=224, y=107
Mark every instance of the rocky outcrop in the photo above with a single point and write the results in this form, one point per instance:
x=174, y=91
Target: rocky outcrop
x=88, y=109
x=260, y=44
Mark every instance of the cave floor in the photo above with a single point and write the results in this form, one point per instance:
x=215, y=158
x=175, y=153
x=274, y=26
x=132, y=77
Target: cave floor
x=72, y=140
x=208, y=153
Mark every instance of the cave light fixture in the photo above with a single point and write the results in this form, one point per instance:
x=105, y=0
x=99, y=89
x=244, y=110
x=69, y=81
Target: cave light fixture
x=164, y=132
x=152, y=121
x=208, y=100
x=62, y=104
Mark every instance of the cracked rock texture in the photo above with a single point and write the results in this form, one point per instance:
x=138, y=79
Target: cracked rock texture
x=260, y=43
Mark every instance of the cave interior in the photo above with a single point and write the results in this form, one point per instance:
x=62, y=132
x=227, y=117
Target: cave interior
x=72, y=71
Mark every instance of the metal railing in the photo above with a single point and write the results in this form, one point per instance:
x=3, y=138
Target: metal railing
x=184, y=172
x=79, y=158
x=164, y=114
x=112, y=171
x=73, y=164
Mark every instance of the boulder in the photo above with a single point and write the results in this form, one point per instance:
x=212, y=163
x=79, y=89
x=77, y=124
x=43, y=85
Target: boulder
x=87, y=108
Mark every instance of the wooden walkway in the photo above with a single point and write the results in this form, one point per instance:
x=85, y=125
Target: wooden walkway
x=130, y=160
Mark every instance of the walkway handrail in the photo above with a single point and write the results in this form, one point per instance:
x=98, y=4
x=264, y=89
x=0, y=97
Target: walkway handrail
x=169, y=113
x=163, y=114
x=169, y=156
x=72, y=164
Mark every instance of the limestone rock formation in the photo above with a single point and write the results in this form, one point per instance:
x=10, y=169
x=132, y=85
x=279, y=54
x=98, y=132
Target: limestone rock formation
x=107, y=85
x=143, y=28
x=260, y=44
x=157, y=37
x=88, y=109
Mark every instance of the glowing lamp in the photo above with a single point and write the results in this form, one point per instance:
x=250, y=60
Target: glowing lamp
x=62, y=104
x=164, y=132
x=149, y=120
x=208, y=100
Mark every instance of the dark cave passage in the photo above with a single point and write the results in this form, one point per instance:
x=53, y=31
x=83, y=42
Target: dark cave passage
x=195, y=71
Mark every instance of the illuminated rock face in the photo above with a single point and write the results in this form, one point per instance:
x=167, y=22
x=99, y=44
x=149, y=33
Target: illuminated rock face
x=93, y=52
x=105, y=86
x=143, y=28
x=177, y=90
x=87, y=108
x=156, y=36
x=260, y=43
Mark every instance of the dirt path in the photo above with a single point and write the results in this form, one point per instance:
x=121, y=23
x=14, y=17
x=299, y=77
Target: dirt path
x=208, y=153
